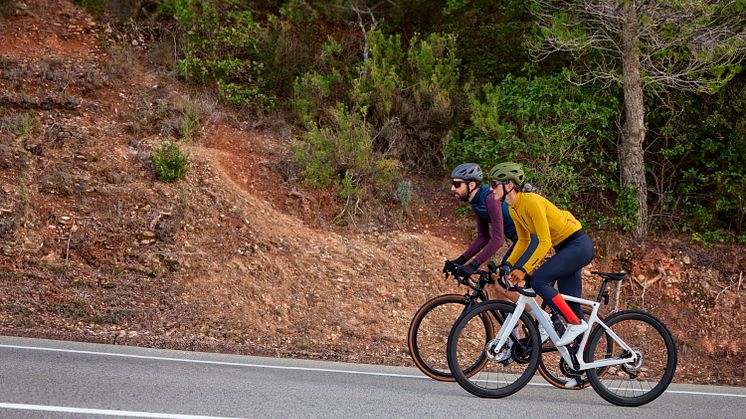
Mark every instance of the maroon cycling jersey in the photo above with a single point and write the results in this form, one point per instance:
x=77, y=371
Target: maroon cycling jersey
x=490, y=235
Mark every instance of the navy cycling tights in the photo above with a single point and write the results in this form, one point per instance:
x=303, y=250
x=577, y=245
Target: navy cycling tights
x=564, y=268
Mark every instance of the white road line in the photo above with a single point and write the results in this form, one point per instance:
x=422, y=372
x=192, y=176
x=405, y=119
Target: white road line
x=101, y=412
x=282, y=367
x=702, y=393
x=200, y=361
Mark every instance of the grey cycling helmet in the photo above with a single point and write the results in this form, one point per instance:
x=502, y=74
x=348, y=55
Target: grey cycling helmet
x=470, y=172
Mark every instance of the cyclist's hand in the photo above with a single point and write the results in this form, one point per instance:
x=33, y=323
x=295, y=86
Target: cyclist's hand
x=518, y=277
x=465, y=271
x=449, y=267
x=503, y=273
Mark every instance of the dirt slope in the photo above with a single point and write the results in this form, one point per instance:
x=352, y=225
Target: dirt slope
x=234, y=257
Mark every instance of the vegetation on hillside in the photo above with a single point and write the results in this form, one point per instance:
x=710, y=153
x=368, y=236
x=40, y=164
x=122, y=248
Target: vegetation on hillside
x=381, y=92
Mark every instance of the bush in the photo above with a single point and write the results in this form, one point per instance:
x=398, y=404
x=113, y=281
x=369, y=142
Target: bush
x=556, y=130
x=698, y=163
x=319, y=89
x=343, y=156
x=223, y=47
x=170, y=162
x=411, y=93
x=21, y=125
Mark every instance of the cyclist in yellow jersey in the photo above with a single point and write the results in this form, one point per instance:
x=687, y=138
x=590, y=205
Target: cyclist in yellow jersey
x=534, y=214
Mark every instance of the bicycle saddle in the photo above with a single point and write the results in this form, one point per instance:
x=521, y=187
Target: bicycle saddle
x=618, y=276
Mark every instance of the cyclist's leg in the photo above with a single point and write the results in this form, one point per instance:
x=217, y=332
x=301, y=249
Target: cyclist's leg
x=572, y=285
x=566, y=263
x=496, y=292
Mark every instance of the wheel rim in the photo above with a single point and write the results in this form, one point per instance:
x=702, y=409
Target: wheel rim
x=643, y=379
x=494, y=378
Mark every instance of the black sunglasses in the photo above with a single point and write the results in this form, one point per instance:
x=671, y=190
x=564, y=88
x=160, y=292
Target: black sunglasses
x=458, y=183
x=494, y=184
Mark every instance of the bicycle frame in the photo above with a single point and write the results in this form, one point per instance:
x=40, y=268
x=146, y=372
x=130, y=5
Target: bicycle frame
x=512, y=320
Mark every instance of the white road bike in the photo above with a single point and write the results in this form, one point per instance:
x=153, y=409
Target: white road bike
x=629, y=358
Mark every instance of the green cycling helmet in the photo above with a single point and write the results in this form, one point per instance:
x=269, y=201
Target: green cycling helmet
x=504, y=172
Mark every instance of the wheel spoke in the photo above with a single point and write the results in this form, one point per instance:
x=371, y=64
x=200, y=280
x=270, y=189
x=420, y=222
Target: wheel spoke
x=641, y=381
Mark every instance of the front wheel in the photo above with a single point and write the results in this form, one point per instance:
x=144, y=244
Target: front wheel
x=498, y=377
x=635, y=383
x=428, y=335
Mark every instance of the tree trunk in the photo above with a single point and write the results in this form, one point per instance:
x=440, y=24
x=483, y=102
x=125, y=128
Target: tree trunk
x=631, y=155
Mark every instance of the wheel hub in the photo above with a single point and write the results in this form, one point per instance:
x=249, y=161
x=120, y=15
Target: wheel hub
x=633, y=368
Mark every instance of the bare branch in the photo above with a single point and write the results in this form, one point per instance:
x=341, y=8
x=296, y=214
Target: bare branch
x=679, y=44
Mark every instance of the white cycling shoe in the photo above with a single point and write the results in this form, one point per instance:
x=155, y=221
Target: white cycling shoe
x=571, y=383
x=571, y=332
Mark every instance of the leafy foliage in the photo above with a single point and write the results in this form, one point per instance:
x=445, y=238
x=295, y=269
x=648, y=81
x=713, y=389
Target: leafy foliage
x=411, y=93
x=447, y=81
x=343, y=156
x=170, y=162
x=223, y=47
x=699, y=163
x=556, y=130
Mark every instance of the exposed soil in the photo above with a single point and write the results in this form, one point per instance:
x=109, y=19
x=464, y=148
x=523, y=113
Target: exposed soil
x=240, y=256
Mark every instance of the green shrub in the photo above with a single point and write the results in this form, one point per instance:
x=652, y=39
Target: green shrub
x=223, y=47
x=556, y=130
x=189, y=119
x=411, y=93
x=170, y=162
x=699, y=160
x=24, y=125
x=319, y=89
x=343, y=156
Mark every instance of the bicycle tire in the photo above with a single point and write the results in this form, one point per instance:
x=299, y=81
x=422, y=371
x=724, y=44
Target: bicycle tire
x=552, y=376
x=424, y=354
x=528, y=340
x=646, y=368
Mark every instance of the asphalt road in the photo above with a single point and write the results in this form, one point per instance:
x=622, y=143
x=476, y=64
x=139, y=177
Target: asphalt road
x=56, y=379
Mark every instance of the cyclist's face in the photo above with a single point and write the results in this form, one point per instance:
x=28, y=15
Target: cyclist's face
x=497, y=188
x=458, y=188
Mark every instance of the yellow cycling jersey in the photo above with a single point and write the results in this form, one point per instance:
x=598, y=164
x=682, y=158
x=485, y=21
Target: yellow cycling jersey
x=534, y=214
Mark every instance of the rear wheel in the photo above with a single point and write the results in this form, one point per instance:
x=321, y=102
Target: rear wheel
x=468, y=343
x=428, y=336
x=639, y=382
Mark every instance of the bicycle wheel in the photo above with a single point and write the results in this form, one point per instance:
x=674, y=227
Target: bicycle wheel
x=428, y=335
x=467, y=343
x=550, y=365
x=641, y=382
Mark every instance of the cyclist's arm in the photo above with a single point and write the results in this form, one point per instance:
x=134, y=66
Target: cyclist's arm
x=524, y=238
x=497, y=236
x=537, y=216
x=483, y=236
x=534, y=242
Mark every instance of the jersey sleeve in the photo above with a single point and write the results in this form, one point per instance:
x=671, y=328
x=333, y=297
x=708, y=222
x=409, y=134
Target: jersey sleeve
x=497, y=236
x=524, y=238
x=483, y=236
x=537, y=216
